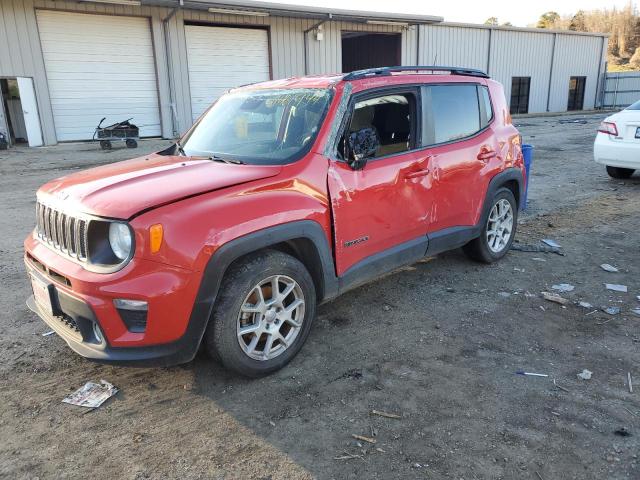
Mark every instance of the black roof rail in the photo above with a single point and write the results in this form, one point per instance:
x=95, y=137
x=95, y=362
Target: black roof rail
x=384, y=71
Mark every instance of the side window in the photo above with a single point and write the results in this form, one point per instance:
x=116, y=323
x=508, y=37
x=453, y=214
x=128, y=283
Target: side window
x=392, y=117
x=451, y=112
x=486, y=110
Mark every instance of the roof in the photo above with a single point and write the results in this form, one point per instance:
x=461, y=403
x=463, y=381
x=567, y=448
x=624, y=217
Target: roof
x=522, y=29
x=301, y=11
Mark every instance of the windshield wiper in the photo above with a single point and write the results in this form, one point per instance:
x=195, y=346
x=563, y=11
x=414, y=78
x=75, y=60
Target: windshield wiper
x=216, y=158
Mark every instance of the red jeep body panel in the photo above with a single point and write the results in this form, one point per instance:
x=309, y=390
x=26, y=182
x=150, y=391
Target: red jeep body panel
x=207, y=206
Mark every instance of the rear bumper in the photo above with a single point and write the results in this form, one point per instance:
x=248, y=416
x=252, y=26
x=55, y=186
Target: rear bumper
x=616, y=153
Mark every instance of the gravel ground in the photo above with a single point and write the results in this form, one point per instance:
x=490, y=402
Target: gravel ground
x=436, y=343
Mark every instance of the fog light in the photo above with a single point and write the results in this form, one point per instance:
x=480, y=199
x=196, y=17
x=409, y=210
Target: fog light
x=133, y=313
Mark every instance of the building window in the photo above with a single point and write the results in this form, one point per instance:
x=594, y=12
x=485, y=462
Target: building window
x=520, y=94
x=576, y=93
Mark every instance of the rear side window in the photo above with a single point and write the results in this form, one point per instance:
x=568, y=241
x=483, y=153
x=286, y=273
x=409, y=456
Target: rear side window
x=452, y=112
x=634, y=106
x=486, y=110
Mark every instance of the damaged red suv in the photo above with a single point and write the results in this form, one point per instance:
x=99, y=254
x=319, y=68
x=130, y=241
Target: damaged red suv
x=283, y=195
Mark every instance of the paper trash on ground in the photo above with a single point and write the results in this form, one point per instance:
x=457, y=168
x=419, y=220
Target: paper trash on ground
x=563, y=287
x=551, y=243
x=615, y=287
x=608, y=268
x=91, y=395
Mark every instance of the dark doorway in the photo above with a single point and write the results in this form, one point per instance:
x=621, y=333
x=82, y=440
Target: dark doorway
x=576, y=93
x=520, y=87
x=12, y=107
x=362, y=50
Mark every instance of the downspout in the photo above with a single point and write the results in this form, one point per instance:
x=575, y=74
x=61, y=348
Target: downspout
x=167, y=49
x=489, y=51
x=600, y=82
x=553, y=59
x=418, y=44
x=306, y=41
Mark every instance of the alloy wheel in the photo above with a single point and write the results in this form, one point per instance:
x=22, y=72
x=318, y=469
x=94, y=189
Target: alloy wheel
x=499, y=226
x=271, y=317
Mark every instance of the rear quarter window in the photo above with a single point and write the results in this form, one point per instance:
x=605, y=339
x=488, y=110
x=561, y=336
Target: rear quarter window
x=452, y=112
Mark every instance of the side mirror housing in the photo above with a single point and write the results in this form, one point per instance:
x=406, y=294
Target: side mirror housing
x=362, y=145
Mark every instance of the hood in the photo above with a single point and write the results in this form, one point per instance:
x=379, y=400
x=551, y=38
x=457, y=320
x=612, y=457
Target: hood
x=120, y=190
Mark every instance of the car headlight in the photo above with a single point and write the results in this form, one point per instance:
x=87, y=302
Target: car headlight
x=120, y=240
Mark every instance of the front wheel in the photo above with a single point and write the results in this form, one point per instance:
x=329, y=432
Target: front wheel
x=619, y=173
x=263, y=314
x=498, y=231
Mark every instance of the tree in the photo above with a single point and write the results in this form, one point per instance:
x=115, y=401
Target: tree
x=507, y=24
x=491, y=21
x=548, y=20
x=578, y=22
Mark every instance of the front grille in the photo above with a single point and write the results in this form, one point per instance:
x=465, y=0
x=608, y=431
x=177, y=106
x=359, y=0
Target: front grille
x=64, y=232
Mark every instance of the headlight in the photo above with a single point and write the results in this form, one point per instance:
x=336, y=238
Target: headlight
x=120, y=240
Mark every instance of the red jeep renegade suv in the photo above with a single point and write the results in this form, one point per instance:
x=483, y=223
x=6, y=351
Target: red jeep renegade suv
x=283, y=195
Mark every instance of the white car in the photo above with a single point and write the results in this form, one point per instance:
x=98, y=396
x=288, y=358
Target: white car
x=617, y=144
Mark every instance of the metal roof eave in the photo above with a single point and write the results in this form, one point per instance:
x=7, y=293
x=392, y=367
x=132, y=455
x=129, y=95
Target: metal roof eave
x=299, y=11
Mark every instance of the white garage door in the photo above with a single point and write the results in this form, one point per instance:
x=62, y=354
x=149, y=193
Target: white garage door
x=220, y=58
x=99, y=66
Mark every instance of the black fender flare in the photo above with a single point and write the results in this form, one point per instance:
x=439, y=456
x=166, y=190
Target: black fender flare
x=500, y=180
x=220, y=261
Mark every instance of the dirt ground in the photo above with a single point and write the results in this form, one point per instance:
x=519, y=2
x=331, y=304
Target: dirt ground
x=437, y=343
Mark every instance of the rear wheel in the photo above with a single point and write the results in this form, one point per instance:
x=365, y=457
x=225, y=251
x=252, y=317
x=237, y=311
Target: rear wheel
x=105, y=144
x=131, y=143
x=498, y=231
x=263, y=314
x=617, y=172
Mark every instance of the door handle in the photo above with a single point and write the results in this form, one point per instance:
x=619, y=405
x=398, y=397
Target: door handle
x=417, y=174
x=485, y=155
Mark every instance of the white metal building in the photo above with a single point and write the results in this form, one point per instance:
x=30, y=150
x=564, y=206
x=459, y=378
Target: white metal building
x=66, y=64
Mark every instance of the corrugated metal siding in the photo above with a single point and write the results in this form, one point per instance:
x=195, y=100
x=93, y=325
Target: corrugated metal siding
x=574, y=57
x=454, y=46
x=523, y=54
x=513, y=53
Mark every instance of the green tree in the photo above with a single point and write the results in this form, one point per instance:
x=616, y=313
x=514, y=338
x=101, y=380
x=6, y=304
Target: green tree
x=491, y=21
x=578, y=22
x=548, y=20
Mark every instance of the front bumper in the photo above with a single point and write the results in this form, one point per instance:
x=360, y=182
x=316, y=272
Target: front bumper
x=80, y=299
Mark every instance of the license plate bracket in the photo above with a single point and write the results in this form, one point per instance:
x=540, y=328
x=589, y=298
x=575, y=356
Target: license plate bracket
x=42, y=294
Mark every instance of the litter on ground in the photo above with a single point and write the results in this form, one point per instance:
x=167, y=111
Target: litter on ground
x=530, y=374
x=91, y=395
x=585, y=305
x=555, y=298
x=585, y=374
x=608, y=268
x=615, y=287
x=46, y=334
x=611, y=310
x=521, y=247
x=563, y=287
x=551, y=243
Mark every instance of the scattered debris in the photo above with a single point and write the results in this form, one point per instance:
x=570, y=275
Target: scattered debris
x=539, y=476
x=355, y=373
x=555, y=298
x=629, y=382
x=363, y=438
x=608, y=268
x=520, y=247
x=622, y=432
x=522, y=372
x=386, y=307
x=272, y=423
x=347, y=456
x=563, y=287
x=504, y=294
x=551, y=243
x=137, y=437
x=585, y=305
x=20, y=355
x=384, y=414
x=538, y=259
x=516, y=269
x=577, y=120
x=611, y=310
x=380, y=450
x=560, y=387
x=46, y=334
x=91, y=395
x=615, y=287
x=585, y=374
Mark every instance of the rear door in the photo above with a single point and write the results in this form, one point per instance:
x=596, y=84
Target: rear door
x=383, y=205
x=463, y=149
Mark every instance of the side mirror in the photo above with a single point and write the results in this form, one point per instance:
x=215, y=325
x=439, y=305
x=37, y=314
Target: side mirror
x=362, y=145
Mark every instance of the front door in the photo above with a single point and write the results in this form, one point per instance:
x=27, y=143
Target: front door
x=381, y=207
x=30, y=111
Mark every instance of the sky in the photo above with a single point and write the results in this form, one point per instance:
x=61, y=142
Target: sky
x=519, y=12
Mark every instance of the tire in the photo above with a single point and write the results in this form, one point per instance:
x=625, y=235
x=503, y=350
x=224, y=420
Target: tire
x=105, y=144
x=486, y=248
x=240, y=289
x=620, y=173
x=131, y=143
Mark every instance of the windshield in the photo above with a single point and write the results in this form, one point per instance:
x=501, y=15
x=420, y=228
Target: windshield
x=265, y=127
